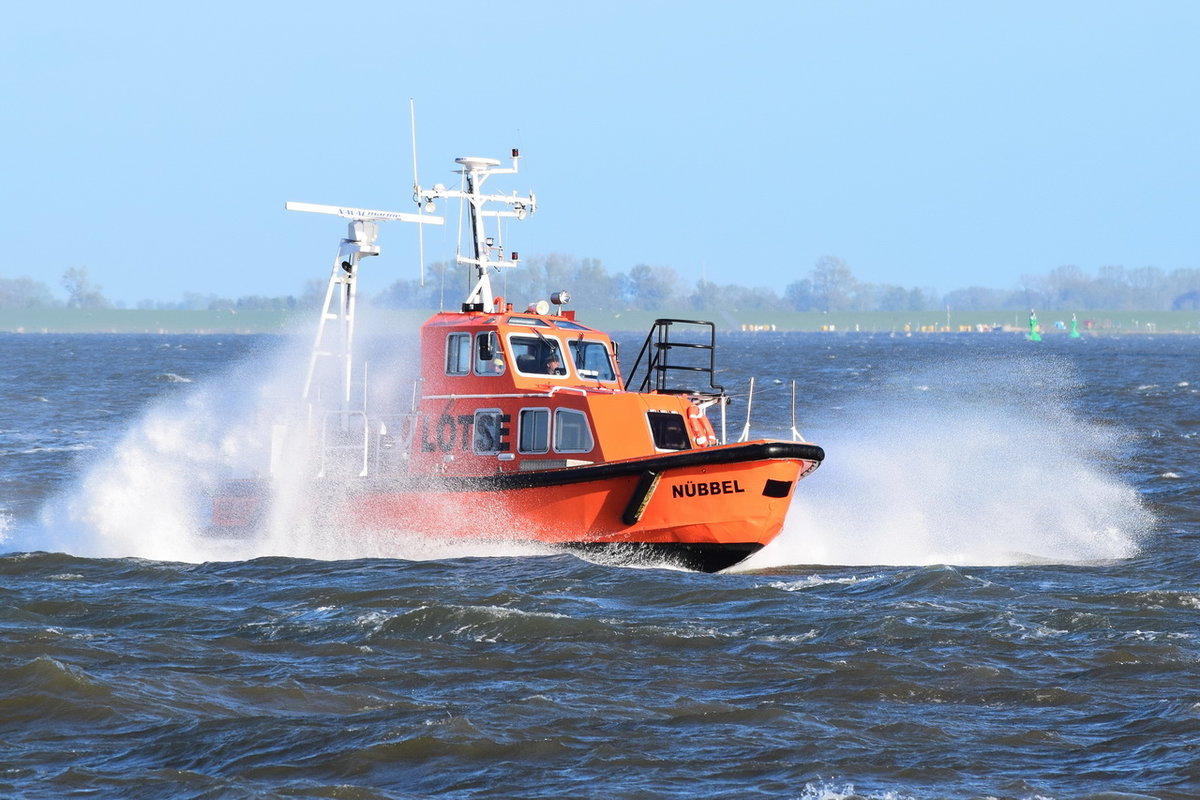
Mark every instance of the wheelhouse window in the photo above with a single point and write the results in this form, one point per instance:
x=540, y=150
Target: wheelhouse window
x=533, y=430
x=592, y=360
x=458, y=353
x=668, y=430
x=537, y=355
x=489, y=358
x=488, y=432
x=571, y=432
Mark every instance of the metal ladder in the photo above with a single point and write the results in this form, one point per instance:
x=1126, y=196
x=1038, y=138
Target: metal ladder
x=660, y=366
x=335, y=342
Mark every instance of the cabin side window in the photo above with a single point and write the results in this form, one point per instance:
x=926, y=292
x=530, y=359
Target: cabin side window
x=592, y=360
x=489, y=358
x=669, y=430
x=458, y=353
x=533, y=430
x=537, y=355
x=489, y=430
x=571, y=432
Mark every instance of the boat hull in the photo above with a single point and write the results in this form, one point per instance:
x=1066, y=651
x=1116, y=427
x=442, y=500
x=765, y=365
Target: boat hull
x=703, y=509
x=699, y=557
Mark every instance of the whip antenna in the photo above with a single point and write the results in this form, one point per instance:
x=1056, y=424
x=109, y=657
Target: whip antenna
x=412, y=118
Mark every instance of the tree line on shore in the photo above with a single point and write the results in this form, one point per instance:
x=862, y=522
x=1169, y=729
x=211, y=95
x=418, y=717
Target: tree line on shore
x=830, y=285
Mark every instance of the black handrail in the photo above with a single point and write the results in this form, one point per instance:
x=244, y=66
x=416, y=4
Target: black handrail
x=657, y=352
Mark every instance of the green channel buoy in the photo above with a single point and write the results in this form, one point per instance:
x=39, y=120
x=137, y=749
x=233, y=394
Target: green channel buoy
x=1034, y=336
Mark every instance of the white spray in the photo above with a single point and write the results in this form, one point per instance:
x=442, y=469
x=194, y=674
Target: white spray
x=970, y=463
x=150, y=495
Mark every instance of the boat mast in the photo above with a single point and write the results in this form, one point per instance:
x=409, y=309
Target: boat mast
x=487, y=254
x=358, y=244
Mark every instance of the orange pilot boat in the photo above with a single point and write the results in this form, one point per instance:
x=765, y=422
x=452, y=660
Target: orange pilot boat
x=521, y=425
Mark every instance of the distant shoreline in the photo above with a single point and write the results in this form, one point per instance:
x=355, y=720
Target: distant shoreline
x=60, y=321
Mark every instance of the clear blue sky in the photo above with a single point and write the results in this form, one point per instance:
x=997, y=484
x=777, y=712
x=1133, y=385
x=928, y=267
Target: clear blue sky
x=938, y=144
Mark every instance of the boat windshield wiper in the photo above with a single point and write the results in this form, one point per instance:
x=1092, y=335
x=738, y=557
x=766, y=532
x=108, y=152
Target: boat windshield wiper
x=552, y=346
x=552, y=350
x=579, y=355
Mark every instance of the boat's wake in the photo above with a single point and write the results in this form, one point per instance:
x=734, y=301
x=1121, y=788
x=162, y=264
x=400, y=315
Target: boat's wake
x=970, y=464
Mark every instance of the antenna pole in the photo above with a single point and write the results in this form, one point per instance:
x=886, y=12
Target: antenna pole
x=412, y=118
x=474, y=172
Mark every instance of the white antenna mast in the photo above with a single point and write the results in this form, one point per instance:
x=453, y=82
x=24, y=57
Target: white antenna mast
x=475, y=171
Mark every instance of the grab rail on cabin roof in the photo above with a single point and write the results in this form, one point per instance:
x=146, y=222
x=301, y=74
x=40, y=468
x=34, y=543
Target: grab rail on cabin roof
x=661, y=366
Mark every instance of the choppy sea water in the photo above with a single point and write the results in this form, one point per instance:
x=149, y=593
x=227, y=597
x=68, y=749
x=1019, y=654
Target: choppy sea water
x=990, y=589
